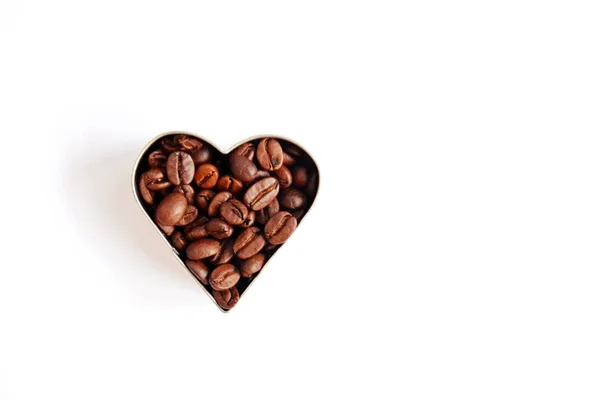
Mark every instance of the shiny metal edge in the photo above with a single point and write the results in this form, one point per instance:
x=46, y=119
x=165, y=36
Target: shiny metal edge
x=165, y=238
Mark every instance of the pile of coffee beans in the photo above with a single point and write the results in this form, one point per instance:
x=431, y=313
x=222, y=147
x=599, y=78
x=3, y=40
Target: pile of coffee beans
x=226, y=215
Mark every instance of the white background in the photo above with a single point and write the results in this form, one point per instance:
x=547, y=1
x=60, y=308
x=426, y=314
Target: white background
x=453, y=252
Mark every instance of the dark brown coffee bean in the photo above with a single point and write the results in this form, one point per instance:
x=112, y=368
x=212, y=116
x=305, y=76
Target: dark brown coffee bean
x=203, y=199
x=215, y=204
x=191, y=213
x=155, y=179
x=246, y=150
x=167, y=229
x=264, y=215
x=199, y=269
x=249, y=221
x=312, y=185
x=288, y=160
x=196, y=230
x=228, y=183
x=292, y=199
x=223, y=277
x=180, y=168
x=169, y=144
x=157, y=159
x=242, y=168
x=202, y=155
x=188, y=192
x=206, y=176
x=293, y=150
x=252, y=265
x=299, y=213
x=187, y=143
x=280, y=227
x=171, y=209
x=202, y=248
x=259, y=195
x=218, y=228
x=226, y=299
x=269, y=154
x=284, y=176
x=147, y=194
x=270, y=248
x=225, y=253
x=234, y=211
x=248, y=243
x=178, y=241
x=300, y=176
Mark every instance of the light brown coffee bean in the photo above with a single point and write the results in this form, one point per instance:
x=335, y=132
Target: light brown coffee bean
x=228, y=183
x=206, y=176
x=252, y=265
x=171, y=209
x=264, y=215
x=269, y=154
x=203, y=199
x=225, y=253
x=248, y=243
x=234, y=211
x=147, y=194
x=202, y=248
x=196, y=230
x=223, y=277
x=188, y=192
x=178, y=241
x=246, y=150
x=249, y=221
x=280, y=227
x=191, y=213
x=259, y=195
x=226, y=299
x=168, y=230
x=242, y=168
x=215, y=205
x=199, y=269
x=155, y=180
x=284, y=176
x=180, y=168
x=157, y=159
x=187, y=143
x=292, y=199
x=218, y=228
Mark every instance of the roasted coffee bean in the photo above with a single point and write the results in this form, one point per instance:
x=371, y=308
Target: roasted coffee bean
x=206, y=176
x=284, y=176
x=248, y=243
x=191, y=213
x=312, y=185
x=171, y=209
x=203, y=199
x=225, y=253
x=196, y=230
x=269, y=154
x=167, y=229
x=226, y=299
x=199, y=269
x=178, y=241
x=202, y=155
x=168, y=144
x=186, y=142
x=246, y=150
x=300, y=176
x=218, y=228
x=202, y=248
x=252, y=265
x=234, y=212
x=180, y=168
x=242, y=168
x=288, y=160
x=155, y=180
x=293, y=150
x=280, y=227
x=228, y=183
x=292, y=199
x=298, y=214
x=157, y=159
x=259, y=195
x=270, y=248
x=249, y=221
x=264, y=215
x=223, y=277
x=187, y=190
x=147, y=194
x=215, y=204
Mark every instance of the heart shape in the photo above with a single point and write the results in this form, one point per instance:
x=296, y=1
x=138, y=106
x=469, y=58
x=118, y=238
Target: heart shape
x=224, y=214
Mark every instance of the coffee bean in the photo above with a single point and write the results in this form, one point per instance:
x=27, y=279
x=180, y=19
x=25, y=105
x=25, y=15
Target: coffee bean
x=186, y=142
x=249, y=221
x=228, y=183
x=203, y=199
x=225, y=253
x=234, y=211
x=246, y=150
x=155, y=180
x=242, y=168
x=171, y=209
x=180, y=168
x=167, y=229
x=264, y=215
x=270, y=248
x=199, y=269
x=288, y=160
x=147, y=194
x=226, y=299
x=223, y=277
x=252, y=265
x=206, y=176
x=284, y=176
x=178, y=241
x=218, y=228
x=169, y=144
x=157, y=159
x=248, y=243
x=259, y=195
x=201, y=155
x=196, y=230
x=312, y=185
x=280, y=227
x=215, y=204
x=299, y=214
x=300, y=176
x=292, y=199
x=269, y=154
x=293, y=150
x=191, y=213
x=202, y=248
x=187, y=190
